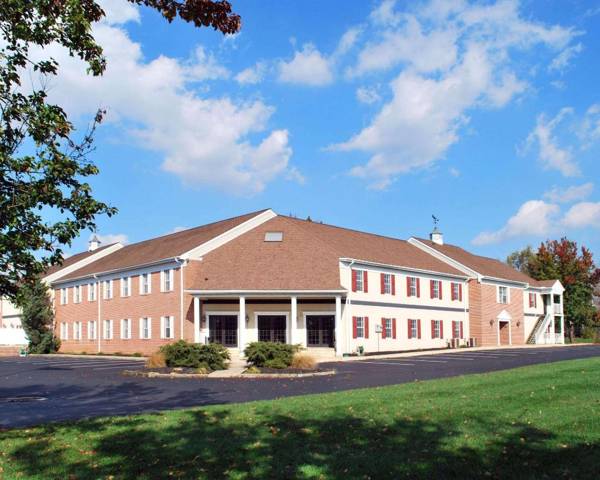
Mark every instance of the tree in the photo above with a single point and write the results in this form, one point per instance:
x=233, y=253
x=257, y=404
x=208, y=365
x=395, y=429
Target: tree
x=522, y=259
x=37, y=317
x=576, y=270
x=45, y=200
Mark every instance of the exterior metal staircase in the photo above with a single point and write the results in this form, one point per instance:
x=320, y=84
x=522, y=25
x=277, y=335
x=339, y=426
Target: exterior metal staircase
x=538, y=328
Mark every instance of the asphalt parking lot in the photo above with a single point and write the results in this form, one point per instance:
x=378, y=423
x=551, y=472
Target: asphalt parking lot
x=35, y=390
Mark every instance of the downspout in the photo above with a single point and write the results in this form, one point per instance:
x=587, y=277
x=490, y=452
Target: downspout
x=182, y=264
x=346, y=309
x=98, y=324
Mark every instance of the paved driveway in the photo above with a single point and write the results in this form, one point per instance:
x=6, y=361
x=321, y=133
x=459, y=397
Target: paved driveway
x=87, y=387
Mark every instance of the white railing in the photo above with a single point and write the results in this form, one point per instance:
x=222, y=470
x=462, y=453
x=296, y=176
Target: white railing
x=558, y=308
x=542, y=332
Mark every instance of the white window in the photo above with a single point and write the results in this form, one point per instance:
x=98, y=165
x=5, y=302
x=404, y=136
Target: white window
x=387, y=283
x=125, y=286
x=64, y=331
x=64, y=296
x=145, y=283
x=436, y=289
x=91, y=292
x=360, y=327
x=436, y=329
x=126, y=329
x=92, y=330
x=166, y=280
x=358, y=280
x=456, y=329
x=77, y=294
x=145, y=328
x=108, y=289
x=387, y=324
x=413, y=289
x=502, y=294
x=413, y=326
x=456, y=291
x=108, y=329
x=77, y=331
x=167, y=327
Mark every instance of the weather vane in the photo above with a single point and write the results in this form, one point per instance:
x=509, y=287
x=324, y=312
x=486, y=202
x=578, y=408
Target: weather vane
x=435, y=220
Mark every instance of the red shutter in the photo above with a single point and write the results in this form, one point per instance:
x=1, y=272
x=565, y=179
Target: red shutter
x=453, y=328
x=409, y=329
x=393, y=284
x=461, y=330
x=408, y=286
x=418, y=328
x=365, y=281
x=431, y=288
x=366, y=320
x=383, y=328
x=354, y=272
x=441, y=329
x=440, y=285
x=393, y=328
x=382, y=278
x=433, y=329
x=460, y=292
x=452, y=294
x=418, y=287
x=354, y=329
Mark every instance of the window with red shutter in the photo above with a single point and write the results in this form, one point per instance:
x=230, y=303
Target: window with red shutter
x=365, y=281
x=408, y=286
x=418, y=328
x=382, y=283
x=433, y=329
x=354, y=274
x=383, y=328
x=431, y=289
x=393, y=328
x=393, y=284
x=354, y=328
x=418, y=288
x=366, y=327
x=409, y=322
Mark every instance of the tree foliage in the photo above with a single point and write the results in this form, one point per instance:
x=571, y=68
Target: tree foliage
x=37, y=317
x=574, y=267
x=45, y=200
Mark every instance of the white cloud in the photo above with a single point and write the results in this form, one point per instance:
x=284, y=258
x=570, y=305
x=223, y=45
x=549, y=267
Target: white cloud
x=534, y=218
x=178, y=229
x=348, y=40
x=581, y=215
x=452, y=57
x=455, y=172
x=570, y=194
x=562, y=60
x=110, y=238
x=307, y=67
x=550, y=153
x=589, y=132
x=367, y=95
x=119, y=12
x=293, y=174
x=252, y=75
x=206, y=141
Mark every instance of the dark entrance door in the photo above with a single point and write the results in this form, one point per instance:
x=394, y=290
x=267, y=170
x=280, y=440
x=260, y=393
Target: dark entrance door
x=319, y=330
x=272, y=328
x=223, y=329
x=504, y=333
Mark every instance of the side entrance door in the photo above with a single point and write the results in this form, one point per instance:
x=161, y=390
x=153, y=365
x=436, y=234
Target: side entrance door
x=320, y=330
x=272, y=328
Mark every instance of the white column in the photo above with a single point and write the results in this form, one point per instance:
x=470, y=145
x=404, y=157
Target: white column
x=196, y=320
x=339, y=331
x=242, y=325
x=510, y=332
x=293, y=336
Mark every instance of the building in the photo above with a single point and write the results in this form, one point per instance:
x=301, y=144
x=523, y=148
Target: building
x=11, y=329
x=263, y=276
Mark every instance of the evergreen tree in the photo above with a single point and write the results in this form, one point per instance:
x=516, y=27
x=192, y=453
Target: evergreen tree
x=37, y=317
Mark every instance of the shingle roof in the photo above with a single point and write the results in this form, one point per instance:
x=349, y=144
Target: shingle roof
x=306, y=259
x=160, y=248
x=543, y=283
x=488, y=267
x=73, y=259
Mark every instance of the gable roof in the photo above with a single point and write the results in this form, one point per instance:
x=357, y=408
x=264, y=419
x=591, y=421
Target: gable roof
x=160, y=248
x=73, y=259
x=485, y=266
x=306, y=259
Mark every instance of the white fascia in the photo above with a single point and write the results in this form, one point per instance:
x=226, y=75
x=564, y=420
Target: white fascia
x=265, y=293
x=82, y=263
x=355, y=261
x=445, y=258
x=216, y=242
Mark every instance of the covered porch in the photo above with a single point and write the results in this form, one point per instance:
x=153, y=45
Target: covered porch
x=235, y=319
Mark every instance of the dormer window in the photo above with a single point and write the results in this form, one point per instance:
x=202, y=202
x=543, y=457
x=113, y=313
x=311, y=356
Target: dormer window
x=274, y=237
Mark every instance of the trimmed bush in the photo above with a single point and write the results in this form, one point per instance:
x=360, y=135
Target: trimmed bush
x=270, y=354
x=192, y=355
x=303, y=361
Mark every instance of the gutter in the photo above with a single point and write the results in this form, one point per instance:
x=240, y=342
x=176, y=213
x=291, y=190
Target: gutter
x=397, y=267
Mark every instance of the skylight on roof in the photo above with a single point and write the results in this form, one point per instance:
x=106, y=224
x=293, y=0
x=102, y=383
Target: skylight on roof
x=274, y=237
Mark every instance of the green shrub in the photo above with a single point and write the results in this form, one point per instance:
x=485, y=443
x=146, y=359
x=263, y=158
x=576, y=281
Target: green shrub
x=270, y=354
x=192, y=355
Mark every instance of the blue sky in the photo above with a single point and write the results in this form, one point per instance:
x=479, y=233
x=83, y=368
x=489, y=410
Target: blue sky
x=366, y=114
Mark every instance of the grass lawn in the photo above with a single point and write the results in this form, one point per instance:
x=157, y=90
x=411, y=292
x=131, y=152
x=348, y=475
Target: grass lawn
x=533, y=422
